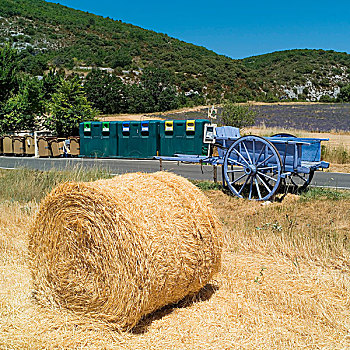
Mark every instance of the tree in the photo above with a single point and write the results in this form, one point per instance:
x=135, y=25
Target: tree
x=136, y=98
x=68, y=107
x=106, y=92
x=121, y=58
x=50, y=83
x=238, y=115
x=19, y=111
x=8, y=72
x=344, y=94
x=159, y=89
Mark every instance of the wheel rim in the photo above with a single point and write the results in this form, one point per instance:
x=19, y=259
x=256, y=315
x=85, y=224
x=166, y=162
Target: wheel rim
x=252, y=168
x=303, y=180
x=283, y=135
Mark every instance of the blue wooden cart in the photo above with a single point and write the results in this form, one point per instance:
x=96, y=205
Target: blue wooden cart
x=254, y=167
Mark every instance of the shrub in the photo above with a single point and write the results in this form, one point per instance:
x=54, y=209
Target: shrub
x=238, y=115
x=344, y=94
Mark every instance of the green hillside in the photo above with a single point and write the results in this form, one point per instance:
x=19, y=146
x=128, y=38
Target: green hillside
x=309, y=74
x=48, y=34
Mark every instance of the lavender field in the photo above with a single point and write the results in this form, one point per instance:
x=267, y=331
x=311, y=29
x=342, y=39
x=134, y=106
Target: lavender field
x=310, y=117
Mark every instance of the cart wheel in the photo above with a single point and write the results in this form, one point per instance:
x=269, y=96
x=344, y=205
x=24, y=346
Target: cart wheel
x=252, y=168
x=283, y=135
x=302, y=181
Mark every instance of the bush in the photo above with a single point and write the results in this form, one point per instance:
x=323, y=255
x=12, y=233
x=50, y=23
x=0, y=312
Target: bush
x=344, y=94
x=327, y=99
x=238, y=115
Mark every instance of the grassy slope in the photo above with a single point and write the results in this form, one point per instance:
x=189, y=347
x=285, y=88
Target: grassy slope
x=93, y=40
x=296, y=65
x=284, y=284
x=79, y=38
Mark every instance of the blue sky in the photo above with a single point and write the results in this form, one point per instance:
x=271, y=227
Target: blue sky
x=236, y=29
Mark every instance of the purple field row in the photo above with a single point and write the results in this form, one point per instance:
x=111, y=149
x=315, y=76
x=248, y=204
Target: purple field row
x=310, y=117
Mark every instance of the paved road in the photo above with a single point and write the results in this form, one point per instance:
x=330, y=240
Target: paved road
x=120, y=166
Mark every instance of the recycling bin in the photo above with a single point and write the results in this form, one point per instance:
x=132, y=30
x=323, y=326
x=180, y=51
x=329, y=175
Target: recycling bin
x=183, y=137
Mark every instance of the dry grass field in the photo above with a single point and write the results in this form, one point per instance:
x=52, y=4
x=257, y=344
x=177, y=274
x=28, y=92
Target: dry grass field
x=284, y=283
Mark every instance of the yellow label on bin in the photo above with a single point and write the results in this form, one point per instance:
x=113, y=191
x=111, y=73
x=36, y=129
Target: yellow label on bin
x=190, y=125
x=169, y=125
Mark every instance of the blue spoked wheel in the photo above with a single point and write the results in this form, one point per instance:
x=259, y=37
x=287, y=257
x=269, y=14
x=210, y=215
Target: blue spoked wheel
x=252, y=168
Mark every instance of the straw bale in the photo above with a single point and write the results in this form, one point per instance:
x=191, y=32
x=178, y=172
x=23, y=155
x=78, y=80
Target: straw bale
x=121, y=248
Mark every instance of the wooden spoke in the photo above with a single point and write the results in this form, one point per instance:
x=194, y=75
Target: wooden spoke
x=269, y=177
x=237, y=162
x=250, y=188
x=253, y=151
x=257, y=187
x=269, y=167
x=241, y=177
x=261, y=151
x=245, y=148
x=245, y=182
x=241, y=156
x=264, y=183
x=235, y=170
x=265, y=160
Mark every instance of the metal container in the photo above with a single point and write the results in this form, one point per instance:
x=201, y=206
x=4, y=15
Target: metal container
x=18, y=145
x=29, y=145
x=44, y=147
x=98, y=139
x=182, y=137
x=7, y=145
x=138, y=139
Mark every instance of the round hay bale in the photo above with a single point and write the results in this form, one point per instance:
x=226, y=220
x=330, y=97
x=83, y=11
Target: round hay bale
x=121, y=248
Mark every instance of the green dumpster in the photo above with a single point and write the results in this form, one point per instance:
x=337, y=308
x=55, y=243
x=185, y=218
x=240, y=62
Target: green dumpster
x=98, y=139
x=138, y=139
x=182, y=137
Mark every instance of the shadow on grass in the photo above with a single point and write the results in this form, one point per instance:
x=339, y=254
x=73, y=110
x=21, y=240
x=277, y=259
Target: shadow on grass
x=204, y=294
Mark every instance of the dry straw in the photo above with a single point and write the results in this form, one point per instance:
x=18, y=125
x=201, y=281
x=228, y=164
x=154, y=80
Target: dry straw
x=119, y=249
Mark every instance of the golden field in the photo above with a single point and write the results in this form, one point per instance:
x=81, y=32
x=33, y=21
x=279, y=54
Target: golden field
x=284, y=284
